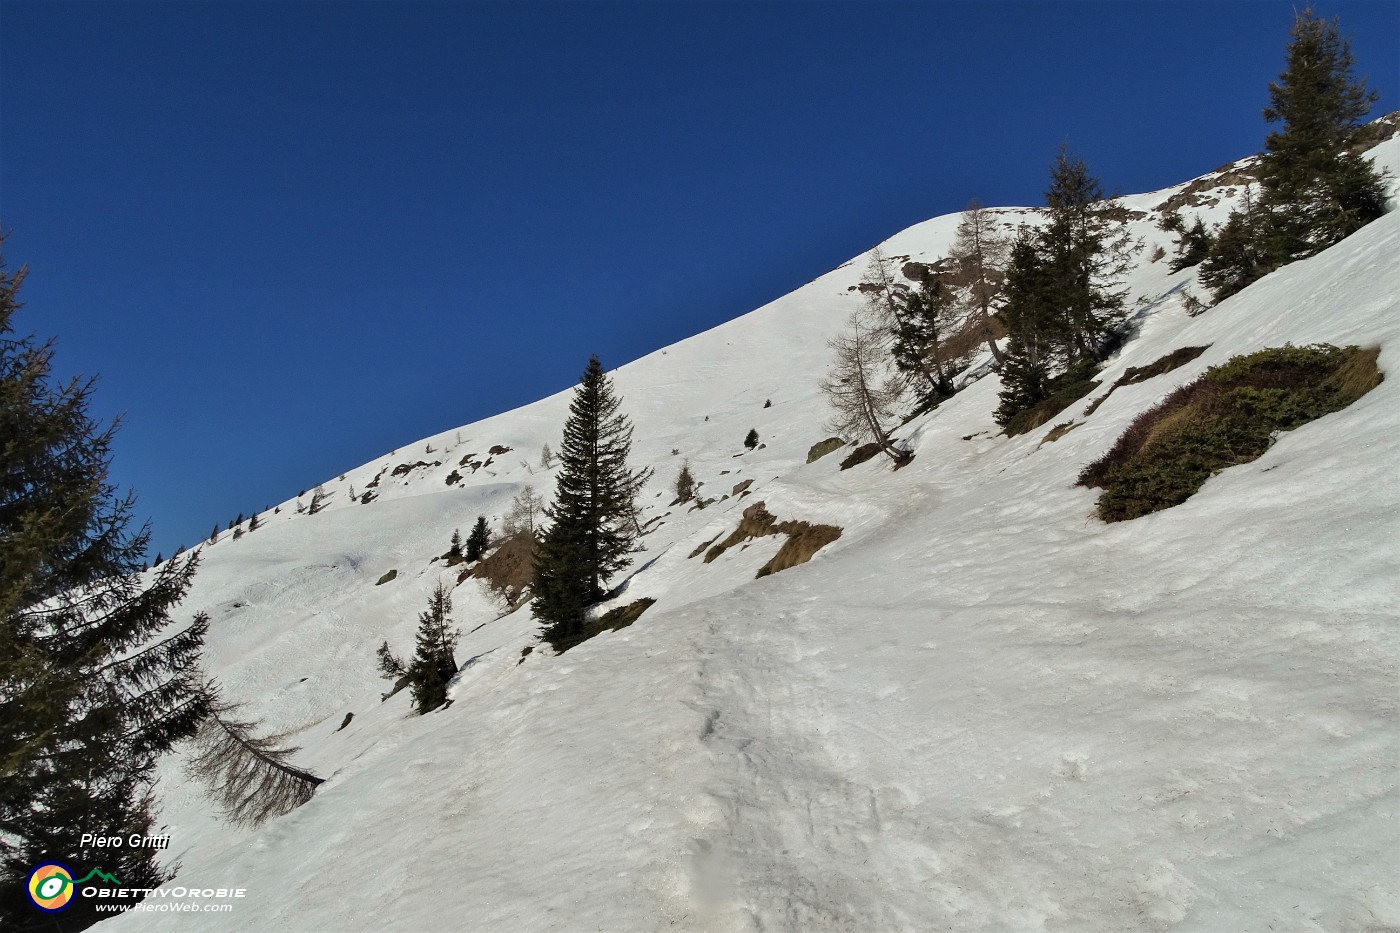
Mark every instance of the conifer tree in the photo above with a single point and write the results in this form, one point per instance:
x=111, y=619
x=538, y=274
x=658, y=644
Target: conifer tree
x=685, y=484
x=593, y=527
x=92, y=686
x=455, y=547
x=214, y=535
x=319, y=499
x=919, y=324
x=1083, y=259
x=1192, y=243
x=479, y=539
x=253, y=523
x=751, y=439
x=1242, y=252
x=433, y=664
x=1321, y=189
x=882, y=297
x=1315, y=190
x=1025, y=371
x=1062, y=301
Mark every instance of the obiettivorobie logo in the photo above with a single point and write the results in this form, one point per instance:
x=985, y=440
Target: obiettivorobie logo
x=52, y=888
x=51, y=885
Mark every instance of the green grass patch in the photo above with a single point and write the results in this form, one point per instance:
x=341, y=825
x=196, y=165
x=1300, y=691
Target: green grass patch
x=1227, y=417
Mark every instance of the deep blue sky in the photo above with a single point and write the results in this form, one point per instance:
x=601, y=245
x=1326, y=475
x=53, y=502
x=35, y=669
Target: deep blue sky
x=291, y=237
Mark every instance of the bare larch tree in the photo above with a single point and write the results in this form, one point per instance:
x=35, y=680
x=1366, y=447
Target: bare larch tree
x=859, y=386
x=250, y=777
x=980, y=255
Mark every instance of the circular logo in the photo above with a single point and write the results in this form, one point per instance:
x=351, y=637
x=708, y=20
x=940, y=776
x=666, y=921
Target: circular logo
x=51, y=886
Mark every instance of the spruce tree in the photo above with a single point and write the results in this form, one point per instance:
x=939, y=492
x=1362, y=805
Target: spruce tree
x=433, y=664
x=479, y=539
x=1322, y=191
x=1192, y=243
x=918, y=327
x=1315, y=190
x=1062, y=304
x=685, y=484
x=594, y=526
x=92, y=686
x=1025, y=370
x=1083, y=259
x=455, y=546
x=1244, y=251
x=1192, y=246
x=751, y=439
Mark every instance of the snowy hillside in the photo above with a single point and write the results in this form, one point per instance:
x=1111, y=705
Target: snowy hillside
x=979, y=709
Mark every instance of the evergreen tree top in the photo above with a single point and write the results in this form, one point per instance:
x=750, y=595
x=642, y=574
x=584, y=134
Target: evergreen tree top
x=1072, y=188
x=1317, y=98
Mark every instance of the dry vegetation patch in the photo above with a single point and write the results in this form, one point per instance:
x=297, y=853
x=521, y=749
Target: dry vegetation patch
x=822, y=448
x=1059, y=431
x=1135, y=374
x=804, y=539
x=1228, y=416
x=508, y=569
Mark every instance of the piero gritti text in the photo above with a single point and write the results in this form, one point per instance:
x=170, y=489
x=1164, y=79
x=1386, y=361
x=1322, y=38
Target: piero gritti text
x=134, y=841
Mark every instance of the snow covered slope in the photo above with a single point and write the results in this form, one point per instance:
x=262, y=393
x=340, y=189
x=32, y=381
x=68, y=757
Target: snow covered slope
x=979, y=709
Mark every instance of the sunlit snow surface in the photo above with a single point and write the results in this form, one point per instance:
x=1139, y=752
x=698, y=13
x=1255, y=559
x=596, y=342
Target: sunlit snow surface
x=980, y=709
